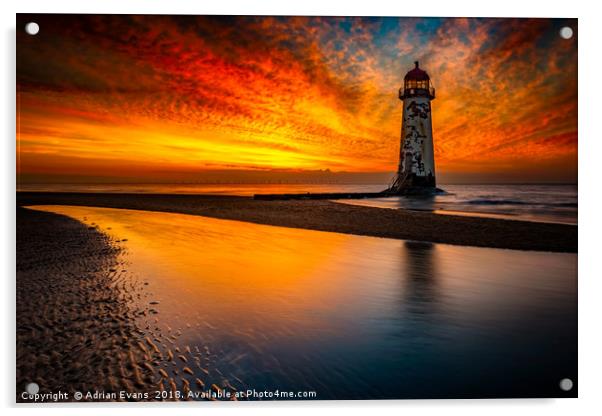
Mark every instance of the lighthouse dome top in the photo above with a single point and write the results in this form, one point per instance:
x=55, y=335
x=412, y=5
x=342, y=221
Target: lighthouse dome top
x=417, y=83
x=416, y=74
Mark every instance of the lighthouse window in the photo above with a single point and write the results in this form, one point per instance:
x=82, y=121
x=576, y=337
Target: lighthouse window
x=422, y=84
x=414, y=84
x=411, y=84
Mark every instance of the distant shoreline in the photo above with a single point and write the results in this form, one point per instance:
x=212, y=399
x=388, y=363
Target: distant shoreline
x=323, y=215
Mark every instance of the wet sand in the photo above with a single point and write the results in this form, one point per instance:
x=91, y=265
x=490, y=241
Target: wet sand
x=84, y=323
x=234, y=306
x=335, y=217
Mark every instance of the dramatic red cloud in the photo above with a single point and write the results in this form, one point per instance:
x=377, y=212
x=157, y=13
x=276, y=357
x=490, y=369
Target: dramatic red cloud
x=150, y=96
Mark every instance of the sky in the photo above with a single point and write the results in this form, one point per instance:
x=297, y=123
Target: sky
x=107, y=98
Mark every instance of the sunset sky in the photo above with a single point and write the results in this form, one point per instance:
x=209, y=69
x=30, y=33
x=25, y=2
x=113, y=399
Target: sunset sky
x=188, y=98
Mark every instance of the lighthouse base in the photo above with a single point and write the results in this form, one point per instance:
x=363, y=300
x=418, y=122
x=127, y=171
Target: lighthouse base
x=413, y=185
x=413, y=191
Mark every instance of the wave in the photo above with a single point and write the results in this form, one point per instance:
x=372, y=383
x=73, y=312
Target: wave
x=519, y=202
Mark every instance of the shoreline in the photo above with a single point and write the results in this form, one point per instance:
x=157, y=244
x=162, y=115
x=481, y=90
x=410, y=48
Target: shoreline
x=75, y=328
x=325, y=215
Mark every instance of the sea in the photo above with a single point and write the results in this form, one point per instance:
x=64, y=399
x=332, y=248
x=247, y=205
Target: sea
x=554, y=203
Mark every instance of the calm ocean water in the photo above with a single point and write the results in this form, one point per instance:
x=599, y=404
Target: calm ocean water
x=543, y=203
x=547, y=203
x=346, y=316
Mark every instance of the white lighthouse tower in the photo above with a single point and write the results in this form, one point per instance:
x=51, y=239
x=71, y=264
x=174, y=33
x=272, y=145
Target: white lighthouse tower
x=416, y=171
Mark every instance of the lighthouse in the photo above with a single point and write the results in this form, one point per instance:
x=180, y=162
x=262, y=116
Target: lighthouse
x=416, y=170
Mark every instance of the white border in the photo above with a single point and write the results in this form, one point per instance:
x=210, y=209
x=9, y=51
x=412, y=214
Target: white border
x=590, y=149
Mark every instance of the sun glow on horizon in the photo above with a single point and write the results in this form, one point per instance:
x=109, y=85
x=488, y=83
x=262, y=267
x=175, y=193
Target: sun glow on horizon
x=137, y=96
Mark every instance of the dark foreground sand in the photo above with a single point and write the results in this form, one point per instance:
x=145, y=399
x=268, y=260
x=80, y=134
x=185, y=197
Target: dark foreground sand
x=335, y=217
x=85, y=323
x=75, y=331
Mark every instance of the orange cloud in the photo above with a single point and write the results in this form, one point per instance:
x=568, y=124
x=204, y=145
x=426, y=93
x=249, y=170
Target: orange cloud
x=136, y=95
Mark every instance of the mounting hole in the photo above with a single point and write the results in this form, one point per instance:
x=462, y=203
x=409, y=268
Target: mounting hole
x=566, y=32
x=566, y=384
x=32, y=28
x=32, y=388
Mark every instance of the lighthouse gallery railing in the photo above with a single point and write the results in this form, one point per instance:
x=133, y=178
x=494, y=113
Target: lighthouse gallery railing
x=430, y=92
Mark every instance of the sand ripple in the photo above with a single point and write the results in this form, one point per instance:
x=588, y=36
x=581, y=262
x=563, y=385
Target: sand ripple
x=82, y=323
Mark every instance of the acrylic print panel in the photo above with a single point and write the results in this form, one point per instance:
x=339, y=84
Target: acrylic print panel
x=295, y=208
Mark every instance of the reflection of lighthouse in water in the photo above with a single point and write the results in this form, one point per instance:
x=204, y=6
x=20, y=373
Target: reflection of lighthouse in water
x=416, y=171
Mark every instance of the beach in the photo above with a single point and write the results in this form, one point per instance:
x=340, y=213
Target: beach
x=138, y=302
x=153, y=297
x=84, y=323
x=336, y=217
x=75, y=331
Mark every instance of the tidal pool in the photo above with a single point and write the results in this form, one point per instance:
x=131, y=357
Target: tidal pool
x=349, y=317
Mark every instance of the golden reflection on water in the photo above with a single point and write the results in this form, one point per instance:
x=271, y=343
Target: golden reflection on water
x=242, y=275
x=288, y=305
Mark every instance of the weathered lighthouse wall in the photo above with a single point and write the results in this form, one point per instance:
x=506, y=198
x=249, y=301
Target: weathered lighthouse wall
x=417, y=160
